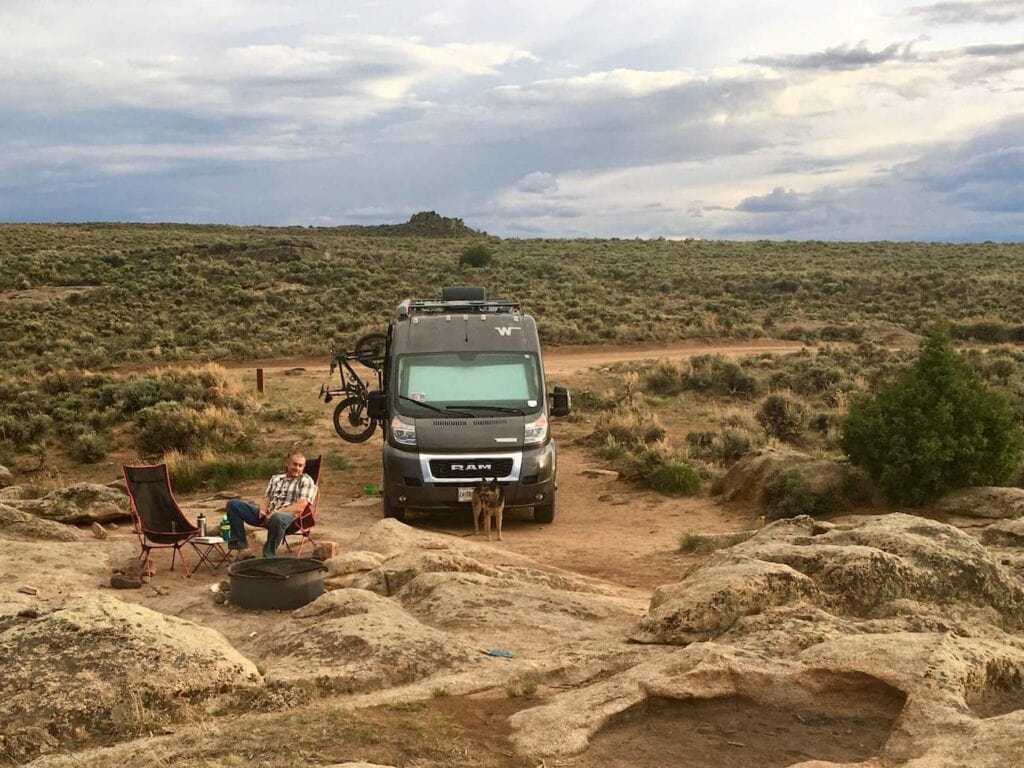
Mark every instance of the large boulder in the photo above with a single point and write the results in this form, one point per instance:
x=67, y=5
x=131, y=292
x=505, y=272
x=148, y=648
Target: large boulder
x=986, y=502
x=97, y=667
x=6, y=477
x=352, y=640
x=826, y=485
x=871, y=568
x=21, y=493
x=78, y=503
x=21, y=526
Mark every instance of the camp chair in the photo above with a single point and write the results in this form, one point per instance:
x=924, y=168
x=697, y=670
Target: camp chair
x=304, y=522
x=158, y=520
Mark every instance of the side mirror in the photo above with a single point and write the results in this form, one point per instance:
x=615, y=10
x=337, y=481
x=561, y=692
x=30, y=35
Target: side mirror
x=377, y=405
x=561, y=402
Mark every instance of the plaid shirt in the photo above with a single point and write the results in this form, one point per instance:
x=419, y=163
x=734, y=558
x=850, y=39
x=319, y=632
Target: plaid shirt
x=283, y=491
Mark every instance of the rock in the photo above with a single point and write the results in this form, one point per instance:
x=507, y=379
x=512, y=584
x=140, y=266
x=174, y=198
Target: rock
x=831, y=484
x=605, y=473
x=99, y=531
x=324, y=550
x=293, y=371
x=21, y=493
x=110, y=668
x=27, y=590
x=902, y=620
x=1009, y=533
x=120, y=581
x=353, y=562
x=858, y=570
x=117, y=485
x=395, y=572
x=226, y=495
x=21, y=526
x=986, y=501
x=79, y=503
x=130, y=567
x=6, y=477
x=352, y=640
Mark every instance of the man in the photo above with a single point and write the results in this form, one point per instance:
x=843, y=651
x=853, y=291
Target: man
x=286, y=497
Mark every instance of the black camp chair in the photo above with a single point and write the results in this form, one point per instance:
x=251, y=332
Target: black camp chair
x=304, y=522
x=158, y=520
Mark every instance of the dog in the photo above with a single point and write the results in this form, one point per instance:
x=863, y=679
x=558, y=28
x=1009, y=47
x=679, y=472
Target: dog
x=489, y=502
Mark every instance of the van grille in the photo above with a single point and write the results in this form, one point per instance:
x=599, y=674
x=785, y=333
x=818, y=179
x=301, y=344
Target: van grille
x=448, y=468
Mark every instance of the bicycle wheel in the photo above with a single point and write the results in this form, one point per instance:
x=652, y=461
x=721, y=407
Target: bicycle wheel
x=370, y=349
x=351, y=421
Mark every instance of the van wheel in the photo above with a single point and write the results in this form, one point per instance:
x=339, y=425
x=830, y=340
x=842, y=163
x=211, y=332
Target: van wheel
x=393, y=512
x=544, y=513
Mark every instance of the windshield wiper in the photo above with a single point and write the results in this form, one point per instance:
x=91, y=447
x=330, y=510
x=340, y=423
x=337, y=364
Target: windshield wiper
x=497, y=408
x=443, y=411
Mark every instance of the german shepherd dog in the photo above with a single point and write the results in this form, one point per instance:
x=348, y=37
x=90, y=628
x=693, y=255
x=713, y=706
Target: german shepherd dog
x=489, y=501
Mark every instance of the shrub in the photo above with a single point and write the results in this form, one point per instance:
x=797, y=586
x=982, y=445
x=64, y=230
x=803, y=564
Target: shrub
x=781, y=417
x=788, y=495
x=476, y=255
x=934, y=428
x=664, y=378
x=88, y=447
x=675, y=479
x=172, y=426
x=627, y=427
x=734, y=444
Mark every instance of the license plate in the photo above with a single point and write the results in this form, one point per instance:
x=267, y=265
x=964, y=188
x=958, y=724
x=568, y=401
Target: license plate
x=465, y=494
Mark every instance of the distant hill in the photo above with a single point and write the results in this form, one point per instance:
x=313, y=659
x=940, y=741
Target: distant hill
x=422, y=224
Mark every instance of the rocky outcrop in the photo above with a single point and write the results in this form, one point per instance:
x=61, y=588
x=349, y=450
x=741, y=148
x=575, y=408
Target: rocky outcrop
x=21, y=526
x=905, y=622
x=78, y=503
x=352, y=640
x=829, y=486
x=986, y=502
x=872, y=568
x=6, y=477
x=98, y=666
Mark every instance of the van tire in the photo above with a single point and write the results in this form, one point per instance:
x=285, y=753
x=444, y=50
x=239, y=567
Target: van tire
x=544, y=513
x=393, y=512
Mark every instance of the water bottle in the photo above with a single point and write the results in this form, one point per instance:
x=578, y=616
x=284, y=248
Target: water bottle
x=201, y=524
x=225, y=529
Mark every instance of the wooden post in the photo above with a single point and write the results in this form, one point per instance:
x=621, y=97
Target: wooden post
x=259, y=380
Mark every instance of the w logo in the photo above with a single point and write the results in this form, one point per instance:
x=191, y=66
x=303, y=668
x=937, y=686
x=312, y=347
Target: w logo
x=506, y=330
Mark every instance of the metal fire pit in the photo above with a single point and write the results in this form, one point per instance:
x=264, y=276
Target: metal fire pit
x=278, y=583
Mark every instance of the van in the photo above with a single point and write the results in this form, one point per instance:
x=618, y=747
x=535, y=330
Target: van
x=463, y=400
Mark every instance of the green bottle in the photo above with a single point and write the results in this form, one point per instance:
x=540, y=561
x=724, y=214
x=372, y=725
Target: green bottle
x=225, y=529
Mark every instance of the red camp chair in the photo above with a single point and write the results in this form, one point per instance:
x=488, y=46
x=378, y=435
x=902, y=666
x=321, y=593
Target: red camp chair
x=158, y=520
x=303, y=524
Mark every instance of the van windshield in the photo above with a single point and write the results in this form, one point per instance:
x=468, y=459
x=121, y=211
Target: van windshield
x=502, y=379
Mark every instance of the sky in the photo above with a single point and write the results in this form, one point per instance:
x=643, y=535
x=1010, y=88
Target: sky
x=780, y=119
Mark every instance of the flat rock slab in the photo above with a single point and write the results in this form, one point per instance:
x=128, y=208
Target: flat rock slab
x=987, y=502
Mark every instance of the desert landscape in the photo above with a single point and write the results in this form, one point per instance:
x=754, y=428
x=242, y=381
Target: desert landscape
x=721, y=585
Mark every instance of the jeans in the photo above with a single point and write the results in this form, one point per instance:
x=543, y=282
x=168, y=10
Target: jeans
x=241, y=512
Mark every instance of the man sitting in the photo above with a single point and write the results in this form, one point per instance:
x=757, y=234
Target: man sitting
x=286, y=497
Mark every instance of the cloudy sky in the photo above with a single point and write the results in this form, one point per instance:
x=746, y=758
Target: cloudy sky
x=788, y=119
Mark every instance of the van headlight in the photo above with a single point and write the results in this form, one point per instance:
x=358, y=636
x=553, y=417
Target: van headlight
x=402, y=432
x=536, y=430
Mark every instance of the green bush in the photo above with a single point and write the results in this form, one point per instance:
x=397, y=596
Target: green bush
x=788, y=495
x=172, y=426
x=675, y=479
x=476, y=255
x=934, y=428
x=781, y=417
x=88, y=447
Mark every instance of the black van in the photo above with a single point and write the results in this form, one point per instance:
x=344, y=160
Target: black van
x=464, y=399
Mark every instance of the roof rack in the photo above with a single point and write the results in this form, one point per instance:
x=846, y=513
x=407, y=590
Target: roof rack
x=411, y=307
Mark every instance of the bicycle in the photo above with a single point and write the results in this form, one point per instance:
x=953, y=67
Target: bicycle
x=351, y=421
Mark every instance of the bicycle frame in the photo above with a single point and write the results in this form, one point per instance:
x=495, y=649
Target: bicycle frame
x=351, y=382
